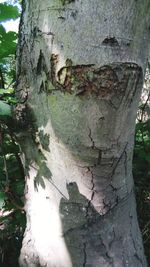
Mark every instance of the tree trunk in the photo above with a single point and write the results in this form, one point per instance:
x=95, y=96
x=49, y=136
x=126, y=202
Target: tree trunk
x=80, y=72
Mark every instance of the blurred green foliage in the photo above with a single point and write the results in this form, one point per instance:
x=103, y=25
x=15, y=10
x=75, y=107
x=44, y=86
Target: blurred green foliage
x=8, y=12
x=141, y=168
x=12, y=215
x=7, y=43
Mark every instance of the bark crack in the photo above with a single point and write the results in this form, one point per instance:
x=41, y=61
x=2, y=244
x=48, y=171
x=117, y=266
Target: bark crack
x=106, y=247
x=94, y=147
x=125, y=162
x=136, y=255
x=99, y=157
x=84, y=255
x=91, y=139
x=119, y=159
x=93, y=192
x=112, y=105
x=93, y=185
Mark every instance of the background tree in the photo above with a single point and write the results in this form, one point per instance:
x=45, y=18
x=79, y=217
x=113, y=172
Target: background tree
x=141, y=163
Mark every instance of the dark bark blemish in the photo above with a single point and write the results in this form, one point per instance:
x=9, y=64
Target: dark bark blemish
x=42, y=73
x=35, y=32
x=41, y=65
x=128, y=44
x=110, y=41
x=62, y=18
x=74, y=14
x=66, y=2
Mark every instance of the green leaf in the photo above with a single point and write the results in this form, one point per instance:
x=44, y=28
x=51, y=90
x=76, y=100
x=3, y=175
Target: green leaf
x=7, y=43
x=6, y=91
x=18, y=187
x=5, y=110
x=8, y=12
x=10, y=148
x=7, y=96
x=147, y=158
x=2, y=199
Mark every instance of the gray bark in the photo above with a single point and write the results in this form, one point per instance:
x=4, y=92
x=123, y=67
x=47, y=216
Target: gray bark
x=80, y=72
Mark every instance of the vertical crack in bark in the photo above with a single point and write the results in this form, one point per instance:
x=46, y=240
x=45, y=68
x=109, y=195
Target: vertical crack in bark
x=126, y=168
x=112, y=203
x=106, y=247
x=90, y=136
x=87, y=214
x=136, y=255
x=93, y=185
x=94, y=147
x=93, y=192
x=113, y=238
x=99, y=157
x=125, y=162
x=84, y=255
x=92, y=176
x=118, y=161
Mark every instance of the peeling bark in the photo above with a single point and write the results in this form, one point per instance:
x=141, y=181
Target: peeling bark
x=79, y=83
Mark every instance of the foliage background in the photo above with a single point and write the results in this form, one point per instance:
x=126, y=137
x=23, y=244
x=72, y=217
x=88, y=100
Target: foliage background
x=12, y=215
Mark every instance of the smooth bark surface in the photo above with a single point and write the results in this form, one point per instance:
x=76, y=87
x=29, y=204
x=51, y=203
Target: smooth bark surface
x=80, y=72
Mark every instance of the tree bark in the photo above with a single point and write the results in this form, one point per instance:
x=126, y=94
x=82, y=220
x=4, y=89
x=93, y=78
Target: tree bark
x=80, y=72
